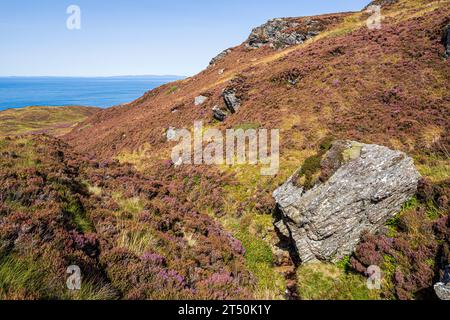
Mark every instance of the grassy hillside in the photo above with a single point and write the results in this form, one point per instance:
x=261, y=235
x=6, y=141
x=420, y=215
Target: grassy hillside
x=162, y=231
x=55, y=121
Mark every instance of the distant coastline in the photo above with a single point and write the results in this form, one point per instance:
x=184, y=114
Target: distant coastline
x=103, y=92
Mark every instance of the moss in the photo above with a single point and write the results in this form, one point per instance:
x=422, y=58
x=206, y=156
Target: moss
x=352, y=153
x=309, y=172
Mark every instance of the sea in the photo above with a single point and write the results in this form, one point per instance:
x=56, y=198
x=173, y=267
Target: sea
x=103, y=92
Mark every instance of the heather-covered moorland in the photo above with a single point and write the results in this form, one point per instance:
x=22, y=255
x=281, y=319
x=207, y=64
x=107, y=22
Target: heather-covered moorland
x=107, y=197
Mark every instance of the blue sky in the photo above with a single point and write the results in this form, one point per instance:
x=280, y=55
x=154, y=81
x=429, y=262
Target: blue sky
x=130, y=37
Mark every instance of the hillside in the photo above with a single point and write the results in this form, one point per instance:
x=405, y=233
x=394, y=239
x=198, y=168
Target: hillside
x=55, y=121
x=145, y=228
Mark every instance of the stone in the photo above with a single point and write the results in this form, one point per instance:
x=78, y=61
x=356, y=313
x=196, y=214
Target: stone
x=281, y=33
x=447, y=41
x=219, y=114
x=364, y=186
x=274, y=33
x=442, y=291
x=219, y=57
x=231, y=100
x=200, y=100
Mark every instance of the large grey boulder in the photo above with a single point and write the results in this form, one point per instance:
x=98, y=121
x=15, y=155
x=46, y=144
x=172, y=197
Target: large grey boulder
x=363, y=186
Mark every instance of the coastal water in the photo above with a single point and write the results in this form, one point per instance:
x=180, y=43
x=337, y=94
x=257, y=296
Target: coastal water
x=17, y=92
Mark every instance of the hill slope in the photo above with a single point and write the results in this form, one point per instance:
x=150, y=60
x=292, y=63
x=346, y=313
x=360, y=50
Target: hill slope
x=144, y=228
x=330, y=76
x=51, y=120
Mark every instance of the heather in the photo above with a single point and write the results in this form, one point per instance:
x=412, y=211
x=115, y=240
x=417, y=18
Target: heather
x=106, y=197
x=414, y=249
x=148, y=243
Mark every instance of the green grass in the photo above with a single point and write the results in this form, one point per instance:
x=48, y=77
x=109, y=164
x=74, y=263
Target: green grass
x=172, y=89
x=24, y=276
x=27, y=278
x=75, y=209
x=133, y=205
x=329, y=282
x=52, y=120
x=259, y=258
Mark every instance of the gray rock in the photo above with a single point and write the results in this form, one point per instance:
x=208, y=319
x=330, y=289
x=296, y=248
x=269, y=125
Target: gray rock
x=283, y=32
x=367, y=185
x=442, y=291
x=218, y=113
x=200, y=100
x=231, y=100
x=447, y=41
x=219, y=57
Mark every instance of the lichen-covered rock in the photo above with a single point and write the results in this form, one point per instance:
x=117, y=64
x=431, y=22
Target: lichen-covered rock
x=364, y=186
x=442, y=291
x=277, y=32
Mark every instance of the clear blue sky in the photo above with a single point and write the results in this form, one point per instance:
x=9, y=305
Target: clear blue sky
x=130, y=37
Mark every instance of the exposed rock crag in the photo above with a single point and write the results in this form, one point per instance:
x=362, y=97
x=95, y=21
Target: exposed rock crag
x=365, y=186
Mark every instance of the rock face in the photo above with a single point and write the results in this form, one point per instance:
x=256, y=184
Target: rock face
x=366, y=185
x=278, y=33
x=442, y=291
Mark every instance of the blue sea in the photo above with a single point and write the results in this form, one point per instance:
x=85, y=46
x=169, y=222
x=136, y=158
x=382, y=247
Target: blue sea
x=18, y=92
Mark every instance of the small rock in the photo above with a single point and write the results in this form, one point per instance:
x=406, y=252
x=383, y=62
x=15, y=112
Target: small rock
x=200, y=100
x=221, y=71
x=219, y=114
x=231, y=100
x=442, y=291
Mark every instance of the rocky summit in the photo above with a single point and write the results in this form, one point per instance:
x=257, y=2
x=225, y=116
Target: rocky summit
x=284, y=32
x=365, y=186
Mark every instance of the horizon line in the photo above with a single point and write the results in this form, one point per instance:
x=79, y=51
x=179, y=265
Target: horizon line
x=93, y=76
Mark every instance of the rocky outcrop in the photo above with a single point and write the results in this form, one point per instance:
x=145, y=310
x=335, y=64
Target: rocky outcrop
x=360, y=188
x=446, y=41
x=278, y=33
x=219, y=57
x=231, y=100
x=284, y=32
